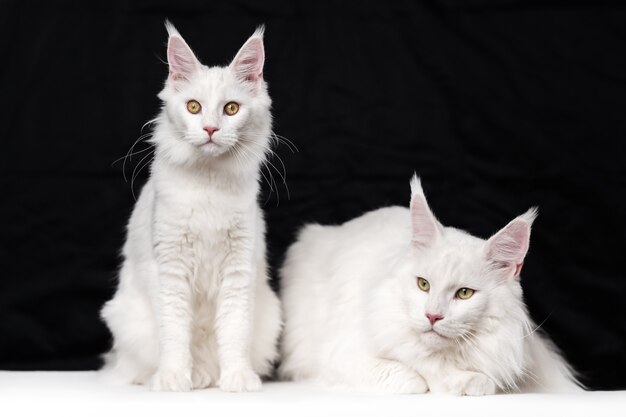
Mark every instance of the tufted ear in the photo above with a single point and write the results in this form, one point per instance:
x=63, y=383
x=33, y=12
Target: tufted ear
x=180, y=58
x=507, y=249
x=248, y=63
x=424, y=225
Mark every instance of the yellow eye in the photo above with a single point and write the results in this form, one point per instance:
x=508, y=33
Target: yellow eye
x=193, y=106
x=465, y=293
x=231, y=108
x=423, y=284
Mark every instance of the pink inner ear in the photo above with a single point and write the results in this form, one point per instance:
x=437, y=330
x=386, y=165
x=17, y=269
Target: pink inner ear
x=181, y=60
x=248, y=64
x=508, y=247
x=424, y=228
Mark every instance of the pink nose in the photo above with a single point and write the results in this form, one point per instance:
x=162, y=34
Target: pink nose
x=210, y=130
x=433, y=318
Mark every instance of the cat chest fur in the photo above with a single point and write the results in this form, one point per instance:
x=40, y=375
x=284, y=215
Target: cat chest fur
x=194, y=222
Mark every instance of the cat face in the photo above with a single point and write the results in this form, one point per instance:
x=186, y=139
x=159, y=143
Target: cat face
x=454, y=284
x=216, y=112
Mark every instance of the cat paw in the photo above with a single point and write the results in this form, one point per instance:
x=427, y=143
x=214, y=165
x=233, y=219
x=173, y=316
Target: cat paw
x=415, y=385
x=169, y=380
x=471, y=383
x=201, y=378
x=396, y=378
x=241, y=380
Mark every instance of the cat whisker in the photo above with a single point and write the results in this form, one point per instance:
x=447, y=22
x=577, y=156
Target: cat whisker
x=137, y=172
x=281, y=139
x=270, y=182
x=278, y=140
x=240, y=151
x=267, y=148
x=130, y=154
x=509, y=381
x=283, y=174
x=267, y=164
x=238, y=156
x=149, y=122
x=537, y=327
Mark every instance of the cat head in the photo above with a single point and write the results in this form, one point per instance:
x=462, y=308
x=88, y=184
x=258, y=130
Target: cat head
x=212, y=114
x=455, y=284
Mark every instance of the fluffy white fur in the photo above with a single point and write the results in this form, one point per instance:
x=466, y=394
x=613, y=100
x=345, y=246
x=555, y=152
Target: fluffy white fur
x=355, y=316
x=193, y=308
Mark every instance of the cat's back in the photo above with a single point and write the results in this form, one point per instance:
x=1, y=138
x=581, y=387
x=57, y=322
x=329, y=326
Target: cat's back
x=327, y=250
x=330, y=267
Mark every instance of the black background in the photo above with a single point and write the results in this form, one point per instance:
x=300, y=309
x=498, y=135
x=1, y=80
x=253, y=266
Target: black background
x=498, y=105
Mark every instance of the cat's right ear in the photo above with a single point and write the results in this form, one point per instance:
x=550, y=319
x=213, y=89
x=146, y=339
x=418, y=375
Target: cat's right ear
x=507, y=249
x=424, y=225
x=180, y=58
x=248, y=63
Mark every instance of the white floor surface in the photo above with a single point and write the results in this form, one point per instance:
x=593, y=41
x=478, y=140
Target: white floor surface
x=87, y=394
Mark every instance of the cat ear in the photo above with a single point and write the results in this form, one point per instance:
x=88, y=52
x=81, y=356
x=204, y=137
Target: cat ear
x=424, y=225
x=248, y=63
x=506, y=249
x=180, y=58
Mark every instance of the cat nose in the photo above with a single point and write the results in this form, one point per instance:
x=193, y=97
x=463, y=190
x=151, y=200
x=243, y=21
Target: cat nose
x=210, y=130
x=433, y=318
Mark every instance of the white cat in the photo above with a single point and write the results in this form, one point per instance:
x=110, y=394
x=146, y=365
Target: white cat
x=194, y=308
x=396, y=302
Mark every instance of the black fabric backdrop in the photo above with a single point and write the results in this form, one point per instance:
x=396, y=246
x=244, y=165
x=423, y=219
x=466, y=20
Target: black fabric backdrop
x=498, y=105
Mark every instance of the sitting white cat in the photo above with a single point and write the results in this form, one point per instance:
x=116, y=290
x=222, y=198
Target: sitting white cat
x=396, y=302
x=194, y=308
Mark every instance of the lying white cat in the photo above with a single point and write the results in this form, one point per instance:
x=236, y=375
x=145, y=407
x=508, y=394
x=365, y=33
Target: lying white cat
x=394, y=301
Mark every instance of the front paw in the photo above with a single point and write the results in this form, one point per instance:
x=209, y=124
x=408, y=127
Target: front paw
x=241, y=380
x=412, y=385
x=170, y=380
x=471, y=383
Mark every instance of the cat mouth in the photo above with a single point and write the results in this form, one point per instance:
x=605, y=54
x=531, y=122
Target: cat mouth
x=211, y=147
x=208, y=142
x=436, y=333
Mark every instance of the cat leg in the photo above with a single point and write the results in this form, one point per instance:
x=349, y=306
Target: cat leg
x=267, y=326
x=233, y=321
x=469, y=383
x=173, y=305
x=393, y=377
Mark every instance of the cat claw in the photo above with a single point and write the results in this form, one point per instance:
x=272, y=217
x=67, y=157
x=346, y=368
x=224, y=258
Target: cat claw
x=242, y=380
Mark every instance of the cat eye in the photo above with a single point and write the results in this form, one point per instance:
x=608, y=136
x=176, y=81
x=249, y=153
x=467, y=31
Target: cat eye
x=231, y=108
x=193, y=106
x=464, y=293
x=423, y=284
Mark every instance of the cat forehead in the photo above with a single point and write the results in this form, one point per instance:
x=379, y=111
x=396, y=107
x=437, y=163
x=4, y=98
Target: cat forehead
x=452, y=263
x=213, y=82
x=457, y=254
x=461, y=240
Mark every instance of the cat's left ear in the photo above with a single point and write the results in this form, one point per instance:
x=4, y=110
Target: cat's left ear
x=424, y=226
x=506, y=250
x=180, y=58
x=248, y=63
